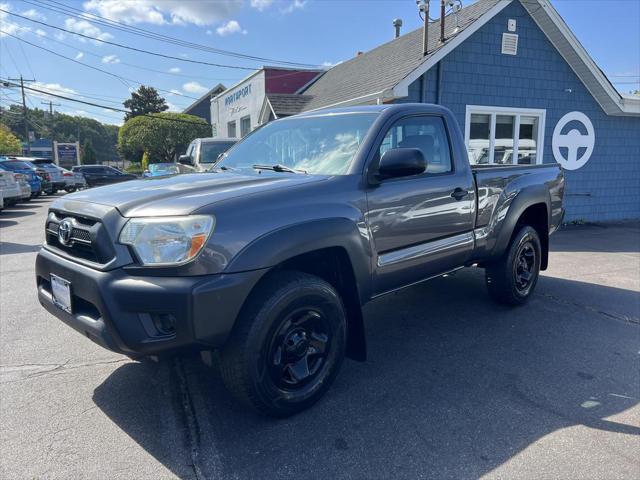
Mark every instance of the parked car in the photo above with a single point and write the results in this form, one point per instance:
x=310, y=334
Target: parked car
x=46, y=186
x=54, y=175
x=270, y=259
x=98, y=175
x=73, y=180
x=161, y=170
x=202, y=153
x=9, y=188
x=26, y=169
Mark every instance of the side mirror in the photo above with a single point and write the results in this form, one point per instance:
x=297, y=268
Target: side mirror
x=185, y=160
x=401, y=162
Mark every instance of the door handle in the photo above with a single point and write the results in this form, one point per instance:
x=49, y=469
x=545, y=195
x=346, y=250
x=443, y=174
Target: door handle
x=459, y=193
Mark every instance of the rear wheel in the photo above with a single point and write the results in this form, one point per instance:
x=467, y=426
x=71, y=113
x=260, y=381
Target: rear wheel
x=287, y=345
x=513, y=278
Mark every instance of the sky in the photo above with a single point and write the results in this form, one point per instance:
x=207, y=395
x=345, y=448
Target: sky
x=310, y=32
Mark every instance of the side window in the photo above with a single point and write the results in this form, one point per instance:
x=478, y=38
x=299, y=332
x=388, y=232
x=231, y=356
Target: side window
x=426, y=133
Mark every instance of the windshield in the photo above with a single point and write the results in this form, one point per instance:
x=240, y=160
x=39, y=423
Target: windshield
x=323, y=145
x=209, y=152
x=167, y=168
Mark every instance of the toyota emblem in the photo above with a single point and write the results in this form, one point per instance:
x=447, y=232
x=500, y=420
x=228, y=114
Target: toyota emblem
x=64, y=231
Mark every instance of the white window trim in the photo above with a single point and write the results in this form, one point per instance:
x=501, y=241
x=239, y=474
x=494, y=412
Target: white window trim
x=517, y=112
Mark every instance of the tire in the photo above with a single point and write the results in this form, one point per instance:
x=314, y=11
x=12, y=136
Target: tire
x=287, y=345
x=512, y=279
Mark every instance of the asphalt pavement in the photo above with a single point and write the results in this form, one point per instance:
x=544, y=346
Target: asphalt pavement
x=454, y=387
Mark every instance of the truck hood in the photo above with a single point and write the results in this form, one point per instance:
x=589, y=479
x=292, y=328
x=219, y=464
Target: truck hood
x=181, y=194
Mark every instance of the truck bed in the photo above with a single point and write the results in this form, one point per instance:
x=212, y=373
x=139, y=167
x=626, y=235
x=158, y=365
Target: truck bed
x=498, y=185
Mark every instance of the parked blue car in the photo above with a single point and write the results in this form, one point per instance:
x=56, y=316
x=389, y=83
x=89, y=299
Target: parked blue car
x=18, y=166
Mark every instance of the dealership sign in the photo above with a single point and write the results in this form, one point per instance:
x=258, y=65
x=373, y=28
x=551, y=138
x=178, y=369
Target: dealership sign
x=237, y=95
x=66, y=153
x=578, y=146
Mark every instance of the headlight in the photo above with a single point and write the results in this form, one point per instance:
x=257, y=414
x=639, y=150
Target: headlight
x=167, y=240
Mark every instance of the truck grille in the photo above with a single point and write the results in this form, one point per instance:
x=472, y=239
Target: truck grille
x=82, y=241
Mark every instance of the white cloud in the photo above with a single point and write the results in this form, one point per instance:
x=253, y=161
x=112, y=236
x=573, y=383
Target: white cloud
x=7, y=25
x=54, y=88
x=85, y=28
x=331, y=64
x=230, y=28
x=33, y=14
x=197, y=12
x=209, y=32
x=110, y=59
x=261, y=4
x=175, y=70
x=40, y=32
x=194, y=87
x=79, y=55
x=173, y=108
x=293, y=6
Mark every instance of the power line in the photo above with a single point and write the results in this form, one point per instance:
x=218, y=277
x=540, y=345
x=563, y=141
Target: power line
x=10, y=82
x=217, y=79
x=97, y=19
x=119, y=77
x=135, y=49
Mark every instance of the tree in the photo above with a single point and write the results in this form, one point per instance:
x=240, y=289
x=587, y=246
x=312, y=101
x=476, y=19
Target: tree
x=145, y=100
x=9, y=143
x=88, y=153
x=103, y=137
x=161, y=135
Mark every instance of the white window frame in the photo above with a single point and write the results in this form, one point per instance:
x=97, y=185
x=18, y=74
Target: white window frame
x=517, y=112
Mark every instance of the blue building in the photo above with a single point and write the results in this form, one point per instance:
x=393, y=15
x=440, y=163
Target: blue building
x=524, y=91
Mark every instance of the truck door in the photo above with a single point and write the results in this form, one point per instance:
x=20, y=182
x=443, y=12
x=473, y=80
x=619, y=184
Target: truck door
x=421, y=225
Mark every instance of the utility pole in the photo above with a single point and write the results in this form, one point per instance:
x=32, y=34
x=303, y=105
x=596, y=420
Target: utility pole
x=24, y=110
x=52, y=124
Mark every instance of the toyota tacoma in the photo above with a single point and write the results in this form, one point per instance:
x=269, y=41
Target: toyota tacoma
x=269, y=257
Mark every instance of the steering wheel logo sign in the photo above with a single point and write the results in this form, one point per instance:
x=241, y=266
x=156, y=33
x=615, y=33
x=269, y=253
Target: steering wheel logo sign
x=573, y=141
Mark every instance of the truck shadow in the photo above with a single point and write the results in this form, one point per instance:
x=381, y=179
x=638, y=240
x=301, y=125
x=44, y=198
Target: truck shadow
x=454, y=387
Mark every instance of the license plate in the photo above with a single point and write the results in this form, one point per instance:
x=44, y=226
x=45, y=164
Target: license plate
x=61, y=292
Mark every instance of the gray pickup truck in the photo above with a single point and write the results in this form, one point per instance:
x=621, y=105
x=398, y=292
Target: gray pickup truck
x=269, y=257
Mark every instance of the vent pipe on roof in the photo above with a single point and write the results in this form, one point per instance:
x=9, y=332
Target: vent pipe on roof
x=397, y=23
x=423, y=7
x=442, y=15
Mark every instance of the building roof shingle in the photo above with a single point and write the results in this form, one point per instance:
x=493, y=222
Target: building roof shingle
x=288, y=103
x=384, y=66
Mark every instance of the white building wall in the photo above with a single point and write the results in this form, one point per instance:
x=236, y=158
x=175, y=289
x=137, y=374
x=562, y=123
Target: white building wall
x=238, y=102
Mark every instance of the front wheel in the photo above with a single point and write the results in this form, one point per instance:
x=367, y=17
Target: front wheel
x=287, y=345
x=512, y=279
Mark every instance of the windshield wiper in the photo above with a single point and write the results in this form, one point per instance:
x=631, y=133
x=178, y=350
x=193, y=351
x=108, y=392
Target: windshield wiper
x=278, y=167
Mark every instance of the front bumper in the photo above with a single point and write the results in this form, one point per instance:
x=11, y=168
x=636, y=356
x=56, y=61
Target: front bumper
x=117, y=310
x=25, y=191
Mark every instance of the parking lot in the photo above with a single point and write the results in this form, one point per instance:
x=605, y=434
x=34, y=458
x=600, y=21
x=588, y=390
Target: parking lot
x=455, y=386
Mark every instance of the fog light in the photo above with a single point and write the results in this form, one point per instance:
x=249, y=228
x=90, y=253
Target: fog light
x=165, y=323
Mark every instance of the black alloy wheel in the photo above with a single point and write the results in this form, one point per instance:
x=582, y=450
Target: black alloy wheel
x=299, y=348
x=512, y=279
x=287, y=345
x=524, y=267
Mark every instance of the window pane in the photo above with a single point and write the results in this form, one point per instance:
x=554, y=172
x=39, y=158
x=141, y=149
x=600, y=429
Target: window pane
x=505, y=126
x=231, y=129
x=527, y=143
x=426, y=134
x=245, y=126
x=479, y=131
